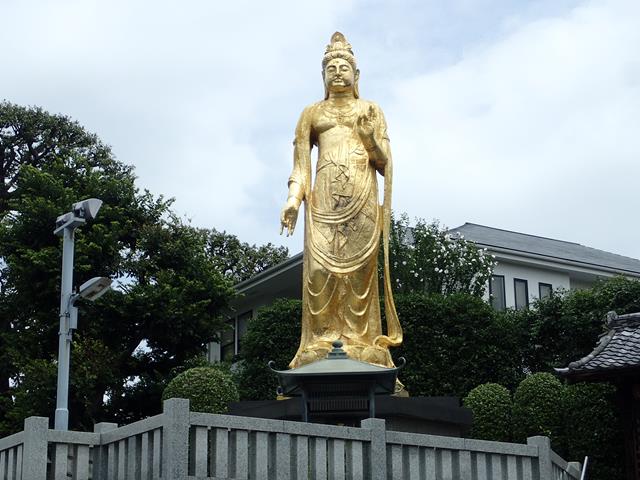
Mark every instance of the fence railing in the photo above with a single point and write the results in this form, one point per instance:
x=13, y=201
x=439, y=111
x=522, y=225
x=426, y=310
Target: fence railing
x=179, y=444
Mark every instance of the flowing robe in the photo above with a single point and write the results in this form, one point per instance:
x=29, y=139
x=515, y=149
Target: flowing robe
x=343, y=225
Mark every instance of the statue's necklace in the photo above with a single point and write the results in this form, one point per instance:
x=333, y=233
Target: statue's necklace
x=341, y=113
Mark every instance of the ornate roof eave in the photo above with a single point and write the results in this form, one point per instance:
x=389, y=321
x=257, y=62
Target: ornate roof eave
x=579, y=370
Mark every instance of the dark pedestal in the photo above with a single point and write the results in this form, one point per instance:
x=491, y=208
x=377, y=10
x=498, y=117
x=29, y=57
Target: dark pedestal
x=431, y=415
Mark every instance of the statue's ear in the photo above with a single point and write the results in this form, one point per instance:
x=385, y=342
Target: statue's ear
x=357, y=75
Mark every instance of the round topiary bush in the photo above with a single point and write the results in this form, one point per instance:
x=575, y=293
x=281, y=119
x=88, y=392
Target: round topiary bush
x=491, y=406
x=538, y=406
x=209, y=389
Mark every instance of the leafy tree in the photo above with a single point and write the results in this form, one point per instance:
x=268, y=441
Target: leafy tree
x=238, y=260
x=428, y=258
x=169, y=292
x=30, y=136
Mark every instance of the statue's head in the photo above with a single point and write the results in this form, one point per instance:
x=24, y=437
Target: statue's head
x=339, y=60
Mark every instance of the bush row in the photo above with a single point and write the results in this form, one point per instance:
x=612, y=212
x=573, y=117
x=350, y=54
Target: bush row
x=580, y=419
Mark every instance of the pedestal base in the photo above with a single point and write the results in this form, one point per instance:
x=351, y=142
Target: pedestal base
x=430, y=415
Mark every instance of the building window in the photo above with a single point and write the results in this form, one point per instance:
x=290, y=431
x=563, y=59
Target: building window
x=497, y=292
x=242, y=323
x=521, y=291
x=228, y=341
x=544, y=290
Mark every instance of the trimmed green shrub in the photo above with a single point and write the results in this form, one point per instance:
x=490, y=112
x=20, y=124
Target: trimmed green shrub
x=209, y=389
x=538, y=406
x=453, y=343
x=491, y=406
x=592, y=428
x=274, y=334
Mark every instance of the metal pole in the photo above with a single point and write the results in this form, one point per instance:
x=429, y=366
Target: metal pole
x=64, y=335
x=583, y=475
x=372, y=402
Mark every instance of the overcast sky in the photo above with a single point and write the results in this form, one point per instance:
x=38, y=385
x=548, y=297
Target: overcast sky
x=513, y=114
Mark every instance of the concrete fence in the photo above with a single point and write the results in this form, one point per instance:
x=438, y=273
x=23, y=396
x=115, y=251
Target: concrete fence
x=179, y=444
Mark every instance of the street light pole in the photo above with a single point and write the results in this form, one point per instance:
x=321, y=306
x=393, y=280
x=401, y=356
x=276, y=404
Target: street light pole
x=91, y=290
x=65, y=333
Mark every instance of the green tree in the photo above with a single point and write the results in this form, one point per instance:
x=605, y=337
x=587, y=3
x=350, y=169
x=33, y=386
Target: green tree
x=428, y=258
x=169, y=292
x=239, y=261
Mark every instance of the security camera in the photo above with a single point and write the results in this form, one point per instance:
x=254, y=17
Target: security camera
x=87, y=209
x=96, y=287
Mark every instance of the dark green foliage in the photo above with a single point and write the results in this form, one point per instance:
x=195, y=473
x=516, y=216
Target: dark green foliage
x=238, y=260
x=592, y=427
x=581, y=419
x=36, y=386
x=491, y=406
x=449, y=354
x=565, y=327
x=538, y=405
x=209, y=389
x=453, y=343
x=273, y=335
x=169, y=297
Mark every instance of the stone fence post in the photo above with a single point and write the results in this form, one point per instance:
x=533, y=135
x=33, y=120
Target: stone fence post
x=544, y=455
x=34, y=450
x=378, y=455
x=100, y=471
x=175, y=439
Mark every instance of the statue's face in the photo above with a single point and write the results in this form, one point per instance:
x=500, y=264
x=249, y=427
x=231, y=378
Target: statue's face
x=339, y=75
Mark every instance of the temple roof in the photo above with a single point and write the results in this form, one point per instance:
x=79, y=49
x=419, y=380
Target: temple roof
x=617, y=352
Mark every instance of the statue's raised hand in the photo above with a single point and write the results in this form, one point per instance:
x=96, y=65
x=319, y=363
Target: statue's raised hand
x=365, y=126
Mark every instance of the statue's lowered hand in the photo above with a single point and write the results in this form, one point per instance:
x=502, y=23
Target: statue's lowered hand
x=289, y=217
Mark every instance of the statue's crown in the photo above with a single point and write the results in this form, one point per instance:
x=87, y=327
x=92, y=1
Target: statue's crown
x=339, y=48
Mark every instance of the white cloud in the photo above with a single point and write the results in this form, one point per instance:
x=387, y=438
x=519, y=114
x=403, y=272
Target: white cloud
x=509, y=113
x=181, y=91
x=536, y=131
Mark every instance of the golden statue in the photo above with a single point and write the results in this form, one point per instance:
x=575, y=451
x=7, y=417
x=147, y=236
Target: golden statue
x=343, y=220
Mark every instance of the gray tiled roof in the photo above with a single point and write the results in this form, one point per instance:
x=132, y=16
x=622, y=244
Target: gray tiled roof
x=617, y=350
x=547, y=247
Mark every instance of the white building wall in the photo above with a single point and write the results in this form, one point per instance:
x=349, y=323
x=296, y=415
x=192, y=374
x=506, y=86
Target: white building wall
x=532, y=275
